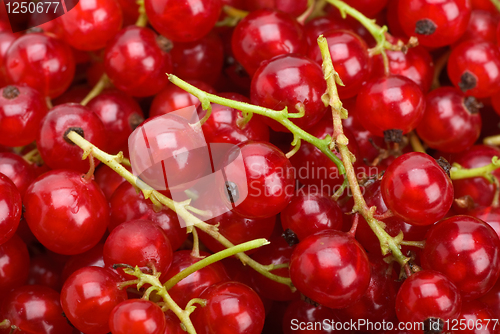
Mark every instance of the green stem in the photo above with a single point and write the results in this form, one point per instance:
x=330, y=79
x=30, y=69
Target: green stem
x=113, y=161
x=214, y=258
x=419, y=244
x=154, y=281
x=98, y=88
x=492, y=140
x=5, y=324
x=388, y=244
x=142, y=20
x=281, y=116
x=457, y=172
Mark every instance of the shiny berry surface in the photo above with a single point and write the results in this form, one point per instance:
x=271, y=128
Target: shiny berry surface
x=183, y=21
x=427, y=294
x=66, y=213
x=136, y=63
x=91, y=24
x=17, y=169
x=467, y=250
x=88, y=298
x=35, y=309
x=21, y=110
x=390, y=103
x=434, y=23
x=417, y=189
x=252, y=42
x=137, y=316
x=41, y=62
x=451, y=121
x=286, y=81
x=266, y=174
x=232, y=307
x=474, y=67
x=14, y=264
x=56, y=149
x=10, y=208
x=331, y=268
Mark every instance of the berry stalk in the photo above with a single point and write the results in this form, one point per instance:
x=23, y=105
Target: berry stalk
x=182, y=209
x=388, y=244
x=281, y=116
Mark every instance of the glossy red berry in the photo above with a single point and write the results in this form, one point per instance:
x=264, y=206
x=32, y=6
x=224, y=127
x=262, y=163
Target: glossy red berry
x=488, y=214
x=482, y=26
x=56, y=149
x=434, y=23
x=35, y=309
x=232, y=307
x=350, y=58
x=367, y=7
x=331, y=268
x=120, y=115
x=263, y=186
x=136, y=62
x=416, y=189
x=17, y=169
x=88, y=298
x=14, y=264
x=41, y=62
x=183, y=21
x=451, y=121
x=10, y=208
x=138, y=243
x=252, y=43
x=292, y=7
x=429, y=297
x=390, y=103
x=467, y=251
x=91, y=24
x=21, y=110
x=474, y=67
x=300, y=316
x=308, y=213
x=137, y=316
x=65, y=212
x=199, y=60
x=290, y=81
x=474, y=319
x=6, y=40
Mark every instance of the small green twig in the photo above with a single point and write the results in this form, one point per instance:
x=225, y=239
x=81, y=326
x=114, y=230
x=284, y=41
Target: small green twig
x=142, y=20
x=457, y=172
x=281, y=116
x=215, y=258
x=419, y=244
x=492, y=140
x=496, y=3
x=98, y=88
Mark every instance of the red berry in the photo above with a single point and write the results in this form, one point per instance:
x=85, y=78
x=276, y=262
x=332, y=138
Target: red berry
x=137, y=316
x=14, y=264
x=10, y=208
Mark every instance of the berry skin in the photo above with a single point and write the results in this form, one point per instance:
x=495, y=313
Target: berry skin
x=17, y=169
x=474, y=67
x=286, y=81
x=390, y=103
x=416, y=189
x=56, y=149
x=10, y=208
x=42, y=62
x=427, y=296
x=252, y=44
x=434, y=23
x=91, y=24
x=183, y=21
x=465, y=249
x=232, y=308
x=14, y=264
x=137, y=316
x=66, y=213
x=136, y=63
x=88, y=297
x=21, y=110
x=451, y=121
x=331, y=268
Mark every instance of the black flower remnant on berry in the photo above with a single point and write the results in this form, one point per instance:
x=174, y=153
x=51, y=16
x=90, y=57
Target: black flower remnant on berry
x=425, y=27
x=77, y=130
x=472, y=104
x=444, y=164
x=232, y=193
x=290, y=237
x=393, y=136
x=467, y=81
x=10, y=92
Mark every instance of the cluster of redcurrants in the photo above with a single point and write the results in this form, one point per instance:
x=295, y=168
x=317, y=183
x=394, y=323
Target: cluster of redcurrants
x=61, y=234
